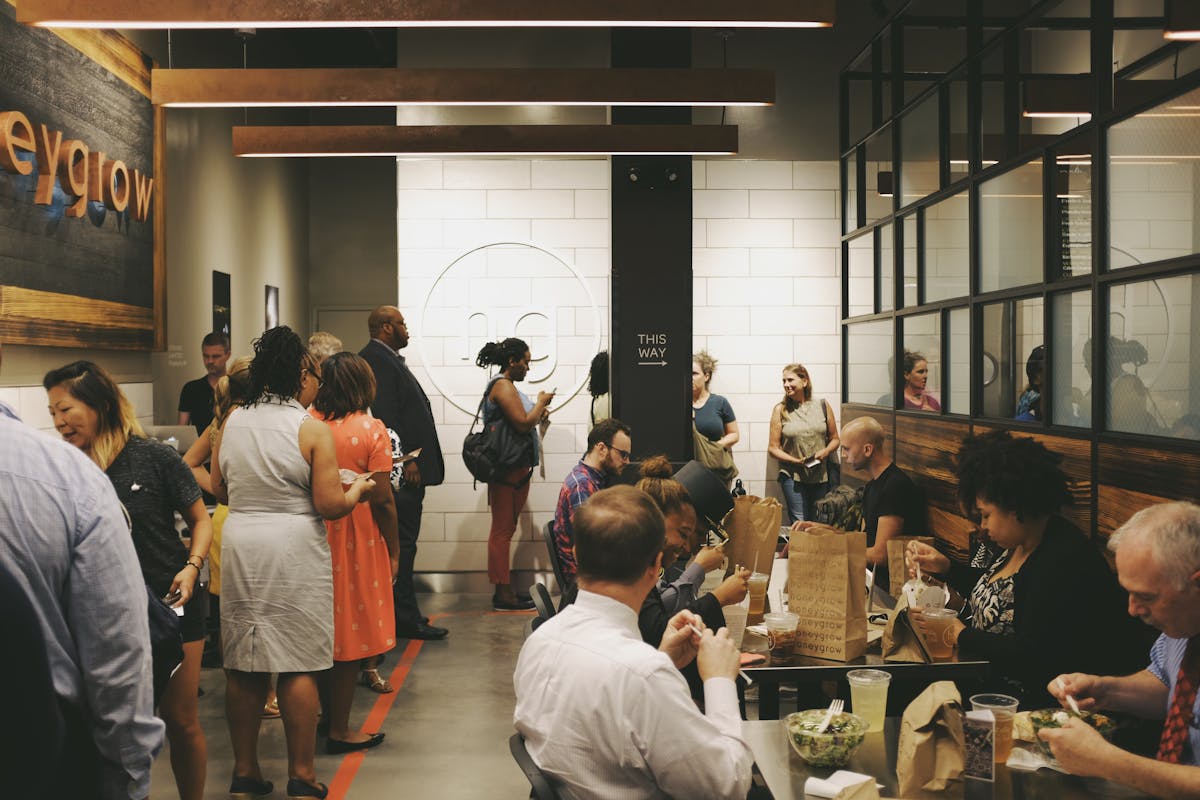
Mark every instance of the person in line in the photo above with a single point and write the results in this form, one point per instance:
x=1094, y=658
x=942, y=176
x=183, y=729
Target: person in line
x=892, y=504
x=609, y=445
x=1014, y=607
x=916, y=378
x=601, y=407
x=404, y=408
x=276, y=469
x=196, y=397
x=502, y=400
x=323, y=344
x=619, y=721
x=1029, y=404
x=91, y=412
x=715, y=426
x=1158, y=563
x=67, y=546
x=802, y=430
x=363, y=544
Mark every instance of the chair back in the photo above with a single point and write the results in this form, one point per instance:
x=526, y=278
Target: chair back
x=541, y=787
x=542, y=601
x=552, y=551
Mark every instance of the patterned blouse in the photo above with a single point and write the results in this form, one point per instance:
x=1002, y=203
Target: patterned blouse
x=992, y=601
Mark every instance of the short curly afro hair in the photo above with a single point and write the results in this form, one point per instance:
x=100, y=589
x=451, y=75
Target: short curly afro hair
x=1016, y=473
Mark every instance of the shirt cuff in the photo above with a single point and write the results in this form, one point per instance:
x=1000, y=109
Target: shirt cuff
x=721, y=706
x=693, y=574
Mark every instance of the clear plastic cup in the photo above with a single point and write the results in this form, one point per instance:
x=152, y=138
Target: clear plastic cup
x=735, y=621
x=756, y=587
x=1003, y=708
x=868, y=695
x=938, y=622
x=781, y=632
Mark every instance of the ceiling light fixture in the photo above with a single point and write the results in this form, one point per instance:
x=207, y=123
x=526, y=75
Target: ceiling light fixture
x=483, y=140
x=198, y=88
x=1058, y=98
x=1183, y=21
x=427, y=13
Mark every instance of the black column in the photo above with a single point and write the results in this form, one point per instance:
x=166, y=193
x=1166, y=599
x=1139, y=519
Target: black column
x=651, y=303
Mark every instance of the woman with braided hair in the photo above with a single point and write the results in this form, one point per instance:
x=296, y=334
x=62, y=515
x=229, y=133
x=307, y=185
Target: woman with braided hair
x=276, y=469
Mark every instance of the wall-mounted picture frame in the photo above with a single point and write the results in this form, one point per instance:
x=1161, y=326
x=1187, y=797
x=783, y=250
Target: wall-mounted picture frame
x=272, y=307
x=221, y=303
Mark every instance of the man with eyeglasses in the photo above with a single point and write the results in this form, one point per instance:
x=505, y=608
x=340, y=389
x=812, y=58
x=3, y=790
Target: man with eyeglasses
x=608, y=452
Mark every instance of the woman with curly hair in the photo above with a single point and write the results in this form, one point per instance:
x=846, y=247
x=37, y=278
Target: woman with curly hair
x=276, y=468
x=1049, y=603
x=507, y=495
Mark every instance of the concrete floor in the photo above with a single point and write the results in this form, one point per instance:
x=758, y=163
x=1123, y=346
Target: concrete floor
x=447, y=726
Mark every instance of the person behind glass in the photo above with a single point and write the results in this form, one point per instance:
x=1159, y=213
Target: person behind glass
x=712, y=414
x=364, y=544
x=1049, y=603
x=916, y=377
x=803, y=430
x=90, y=411
x=276, y=468
x=507, y=495
x=1029, y=404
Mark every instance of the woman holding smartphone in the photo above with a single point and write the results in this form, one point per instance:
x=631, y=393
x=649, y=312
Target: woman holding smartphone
x=151, y=480
x=804, y=437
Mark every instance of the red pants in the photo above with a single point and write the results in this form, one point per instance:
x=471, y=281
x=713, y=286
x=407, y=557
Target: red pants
x=506, y=503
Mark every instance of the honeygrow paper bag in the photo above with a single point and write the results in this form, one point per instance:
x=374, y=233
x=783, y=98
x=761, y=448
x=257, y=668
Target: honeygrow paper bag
x=753, y=528
x=825, y=589
x=930, y=752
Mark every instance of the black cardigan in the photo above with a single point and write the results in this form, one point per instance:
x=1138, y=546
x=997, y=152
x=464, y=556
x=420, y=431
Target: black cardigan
x=1069, y=615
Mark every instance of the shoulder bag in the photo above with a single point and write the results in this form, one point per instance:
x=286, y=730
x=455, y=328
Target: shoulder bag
x=496, y=449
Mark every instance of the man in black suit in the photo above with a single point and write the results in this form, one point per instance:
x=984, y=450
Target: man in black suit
x=402, y=405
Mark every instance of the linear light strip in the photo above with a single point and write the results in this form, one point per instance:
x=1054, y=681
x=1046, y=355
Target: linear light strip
x=461, y=87
x=426, y=13
x=483, y=140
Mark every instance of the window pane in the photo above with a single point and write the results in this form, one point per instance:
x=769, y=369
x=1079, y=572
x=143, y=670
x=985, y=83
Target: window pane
x=870, y=363
x=887, y=269
x=958, y=399
x=1010, y=229
x=919, y=152
x=1154, y=163
x=1153, y=347
x=959, y=163
x=1011, y=332
x=910, y=260
x=850, y=194
x=1070, y=362
x=880, y=178
x=1073, y=204
x=947, y=248
x=921, y=373
x=862, y=276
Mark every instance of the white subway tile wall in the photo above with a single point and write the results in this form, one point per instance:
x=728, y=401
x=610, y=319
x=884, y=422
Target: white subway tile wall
x=30, y=403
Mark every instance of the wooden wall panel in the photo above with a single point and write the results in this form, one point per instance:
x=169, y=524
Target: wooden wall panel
x=926, y=448
x=1169, y=474
x=1115, y=505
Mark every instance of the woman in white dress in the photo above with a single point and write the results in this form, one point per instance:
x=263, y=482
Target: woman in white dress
x=277, y=470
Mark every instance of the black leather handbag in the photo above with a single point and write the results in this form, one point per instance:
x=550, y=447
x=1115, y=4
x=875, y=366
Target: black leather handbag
x=496, y=449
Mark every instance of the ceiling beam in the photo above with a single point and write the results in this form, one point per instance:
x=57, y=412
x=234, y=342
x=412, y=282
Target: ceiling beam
x=483, y=140
x=426, y=13
x=465, y=87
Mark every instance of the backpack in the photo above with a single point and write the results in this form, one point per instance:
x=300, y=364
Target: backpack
x=496, y=449
x=841, y=508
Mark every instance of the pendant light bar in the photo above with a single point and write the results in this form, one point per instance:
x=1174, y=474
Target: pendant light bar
x=462, y=87
x=483, y=140
x=426, y=13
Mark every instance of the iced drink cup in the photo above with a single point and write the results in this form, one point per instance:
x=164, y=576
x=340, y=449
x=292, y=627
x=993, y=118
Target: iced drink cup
x=937, y=632
x=735, y=621
x=781, y=632
x=1003, y=708
x=868, y=695
x=757, y=589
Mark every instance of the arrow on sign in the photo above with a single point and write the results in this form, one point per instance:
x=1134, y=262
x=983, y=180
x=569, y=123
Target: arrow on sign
x=652, y=363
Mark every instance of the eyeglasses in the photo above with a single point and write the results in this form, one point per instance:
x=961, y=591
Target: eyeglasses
x=624, y=454
x=317, y=375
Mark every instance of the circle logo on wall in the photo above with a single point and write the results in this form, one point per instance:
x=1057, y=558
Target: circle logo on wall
x=505, y=289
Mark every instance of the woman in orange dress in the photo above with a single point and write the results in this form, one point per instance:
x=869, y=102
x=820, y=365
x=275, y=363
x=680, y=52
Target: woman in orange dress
x=363, y=545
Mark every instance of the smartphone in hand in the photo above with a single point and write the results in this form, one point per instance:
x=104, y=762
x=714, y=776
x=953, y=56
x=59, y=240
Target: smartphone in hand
x=813, y=461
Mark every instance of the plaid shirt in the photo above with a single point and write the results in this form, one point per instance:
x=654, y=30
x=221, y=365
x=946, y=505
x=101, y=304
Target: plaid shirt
x=581, y=483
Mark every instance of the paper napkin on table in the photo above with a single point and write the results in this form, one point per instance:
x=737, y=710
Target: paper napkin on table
x=843, y=785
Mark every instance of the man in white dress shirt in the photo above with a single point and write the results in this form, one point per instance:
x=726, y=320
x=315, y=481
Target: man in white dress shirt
x=606, y=715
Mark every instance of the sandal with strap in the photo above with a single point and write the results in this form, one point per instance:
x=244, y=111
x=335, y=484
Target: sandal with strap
x=271, y=709
x=375, y=682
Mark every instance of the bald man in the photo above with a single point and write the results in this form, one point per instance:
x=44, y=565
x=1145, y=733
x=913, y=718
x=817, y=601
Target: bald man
x=402, y=405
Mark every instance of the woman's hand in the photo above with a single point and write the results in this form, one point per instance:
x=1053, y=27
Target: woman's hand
x=951, y=633
x=360, y=489
x=709, y=558
x=931, y=561
x=183, y=586
x=544, y=398
x=733, y=589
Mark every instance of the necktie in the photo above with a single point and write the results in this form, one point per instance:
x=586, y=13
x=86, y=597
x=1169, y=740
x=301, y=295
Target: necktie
x=1175, y=731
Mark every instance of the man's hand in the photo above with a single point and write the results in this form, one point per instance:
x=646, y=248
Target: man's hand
x=709, y=558
x=679, y=641
x=733, y=589
x=1078, y=747
x=412, y=474
x=1088, y=690
x=718, y=657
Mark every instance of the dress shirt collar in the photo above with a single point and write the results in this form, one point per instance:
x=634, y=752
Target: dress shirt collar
x=8, y=412
x=614, y=611
x=391, y=349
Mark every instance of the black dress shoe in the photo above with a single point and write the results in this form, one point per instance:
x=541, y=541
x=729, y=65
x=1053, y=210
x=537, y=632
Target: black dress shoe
x=504, y=605
x=335, y=747
x=424, y=620
x=423, y=631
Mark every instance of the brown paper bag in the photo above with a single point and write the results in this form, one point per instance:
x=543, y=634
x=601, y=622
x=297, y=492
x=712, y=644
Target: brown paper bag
x=930, y=752
x=753, y=528
x=826, y=571
x=897, y=572
x=899, y=640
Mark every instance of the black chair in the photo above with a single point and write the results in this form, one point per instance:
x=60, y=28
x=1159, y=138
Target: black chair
x=542, y=601
x=552, y=552
x=541, y=789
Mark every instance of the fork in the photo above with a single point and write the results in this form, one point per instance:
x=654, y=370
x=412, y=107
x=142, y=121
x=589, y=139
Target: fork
x=835, y=707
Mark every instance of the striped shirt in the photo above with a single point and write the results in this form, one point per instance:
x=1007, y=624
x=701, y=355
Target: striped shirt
x=1166, y=654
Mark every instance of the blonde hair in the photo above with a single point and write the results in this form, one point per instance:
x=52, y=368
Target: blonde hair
x=707, y=364
x=116, y=421
x=233, y=389
x=323, y=344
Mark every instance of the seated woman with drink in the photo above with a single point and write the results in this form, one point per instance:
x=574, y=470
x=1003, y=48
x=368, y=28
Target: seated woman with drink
x=1049, y=603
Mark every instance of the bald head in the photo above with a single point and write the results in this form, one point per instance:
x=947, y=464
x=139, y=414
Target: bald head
x=866, y=430
x=386, y=324
x=379, y=317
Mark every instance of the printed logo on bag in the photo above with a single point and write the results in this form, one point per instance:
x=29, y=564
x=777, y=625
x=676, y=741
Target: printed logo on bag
x=505, y=289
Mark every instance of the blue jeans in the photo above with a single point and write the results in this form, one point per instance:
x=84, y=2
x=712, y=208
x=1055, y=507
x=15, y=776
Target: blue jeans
x=800, y=499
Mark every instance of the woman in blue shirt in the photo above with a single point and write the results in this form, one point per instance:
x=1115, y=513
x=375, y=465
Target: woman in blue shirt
x=716, y=428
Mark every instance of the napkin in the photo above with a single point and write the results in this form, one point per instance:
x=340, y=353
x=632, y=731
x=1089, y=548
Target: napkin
x=1030, y=758
x=930, y=752
x=843, y=785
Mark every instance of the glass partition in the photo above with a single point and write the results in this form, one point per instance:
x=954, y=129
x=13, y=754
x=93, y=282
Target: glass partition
x=1010, y=229
x=1072, y=205
x=887, y=268
x=947, y=248
x=1070, y=361
x=1012, y=332
x=958, y=398
x=862, y=275
x=910, y=260
x=880, y=178
x=870, y=363
x=919, y=165
x=850, y=220
x=921, y=372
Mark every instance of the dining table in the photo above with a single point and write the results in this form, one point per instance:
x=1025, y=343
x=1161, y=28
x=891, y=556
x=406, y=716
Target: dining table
x=785, y=773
